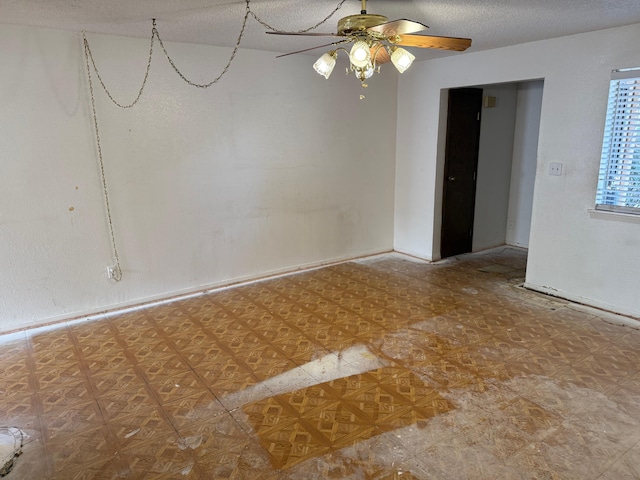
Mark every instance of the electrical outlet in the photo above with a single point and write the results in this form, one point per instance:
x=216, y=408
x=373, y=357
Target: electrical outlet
x=555, y=168
x=114, y=273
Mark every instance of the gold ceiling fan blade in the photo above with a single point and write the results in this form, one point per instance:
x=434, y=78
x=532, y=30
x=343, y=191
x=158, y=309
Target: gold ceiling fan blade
x=312, y=48
x=380, y=54
x=306, y=34
x=398, y=27
x=431, y=41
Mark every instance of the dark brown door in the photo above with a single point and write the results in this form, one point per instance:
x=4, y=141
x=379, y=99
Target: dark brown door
x=461, y=164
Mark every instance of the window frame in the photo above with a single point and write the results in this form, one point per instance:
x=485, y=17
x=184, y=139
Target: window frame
x=620, y=154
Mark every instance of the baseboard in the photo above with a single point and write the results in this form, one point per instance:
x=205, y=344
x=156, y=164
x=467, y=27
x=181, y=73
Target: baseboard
x=143, y=302
x=587, y=302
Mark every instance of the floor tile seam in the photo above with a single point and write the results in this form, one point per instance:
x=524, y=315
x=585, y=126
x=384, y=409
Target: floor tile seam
x=359, y=267
x=309, y=337
x=104, y=424
x=202, y=381
x=186, y=459
x=151, y=392
x=412, y=369
x=286, y=465
x=86, y=372
x=417, y=412
x=231, y=355
x=129, y=454
x=418, y=371
x=609, y=353
x=525, y=366
x=80, y=470
x=445, y=390
x=120, y=417
x=382, y=378
x=215, y=337
x=525, y=398
x=294, y=412
x=607, y=371
x=352, y=438
x=64, y=436
x=308, y=426
x=584, y=335
x=293, y=327
x=353, y=313
x=42, y=429
x=571, y=371
x=386, y=293
x=76, y=471
x=631, y=388
x=468, y=321
x=177, y=351
x=546, y=350
x=348, y=404
x=56, y=468
x=269, y=433
x=442, y=280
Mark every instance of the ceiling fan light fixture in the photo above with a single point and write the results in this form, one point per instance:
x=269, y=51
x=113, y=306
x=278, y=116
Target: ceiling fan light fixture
x=401, y=59
x=325, y=64
x=363, y=73
x=360, y=55
x=373, y=41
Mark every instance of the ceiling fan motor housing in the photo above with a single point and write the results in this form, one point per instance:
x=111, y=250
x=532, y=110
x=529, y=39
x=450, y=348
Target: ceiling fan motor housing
x=359, y=23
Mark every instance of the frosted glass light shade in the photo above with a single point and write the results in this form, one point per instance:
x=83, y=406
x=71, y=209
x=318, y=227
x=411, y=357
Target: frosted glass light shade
x=360, y=54
x=364, y=73
x=325, y=64
x=402, y=59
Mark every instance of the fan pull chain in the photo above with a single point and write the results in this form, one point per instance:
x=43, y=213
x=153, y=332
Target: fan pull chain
x=273, y=29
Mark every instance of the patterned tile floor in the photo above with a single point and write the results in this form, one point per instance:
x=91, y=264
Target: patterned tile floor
x=376, y=369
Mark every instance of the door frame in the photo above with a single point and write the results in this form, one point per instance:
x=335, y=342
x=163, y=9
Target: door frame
x=438, y=178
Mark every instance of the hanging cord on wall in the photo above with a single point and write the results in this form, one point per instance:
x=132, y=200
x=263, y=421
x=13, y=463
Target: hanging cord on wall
x=224, y=70
x=155, y=33
x=89, y=55
x=116, y=272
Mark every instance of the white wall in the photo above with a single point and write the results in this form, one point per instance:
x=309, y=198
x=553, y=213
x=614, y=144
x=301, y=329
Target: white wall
x=271, y=169
x=525, y=156
x=592, y=258
x=494, y=167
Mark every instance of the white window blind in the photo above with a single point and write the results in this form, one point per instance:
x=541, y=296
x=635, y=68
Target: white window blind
x=619, y=177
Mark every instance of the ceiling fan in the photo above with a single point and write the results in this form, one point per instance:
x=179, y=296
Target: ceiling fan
x=376, y=41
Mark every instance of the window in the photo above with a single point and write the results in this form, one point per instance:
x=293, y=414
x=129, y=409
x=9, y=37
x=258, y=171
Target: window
x=619, y=177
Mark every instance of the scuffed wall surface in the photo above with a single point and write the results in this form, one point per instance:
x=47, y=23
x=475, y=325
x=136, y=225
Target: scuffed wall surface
x=271, y=169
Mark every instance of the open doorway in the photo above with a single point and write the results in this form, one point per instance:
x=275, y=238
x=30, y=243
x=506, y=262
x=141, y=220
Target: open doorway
x=506, y=167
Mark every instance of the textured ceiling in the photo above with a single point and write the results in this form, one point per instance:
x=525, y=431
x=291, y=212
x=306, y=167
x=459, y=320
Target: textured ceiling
x=490, y=23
